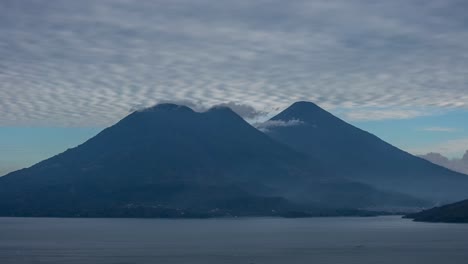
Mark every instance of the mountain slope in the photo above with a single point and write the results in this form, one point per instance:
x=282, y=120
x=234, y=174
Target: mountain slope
x=459, y=165
x=168, y=155
x=169, y=161
x=451, y=213
x=361, y=156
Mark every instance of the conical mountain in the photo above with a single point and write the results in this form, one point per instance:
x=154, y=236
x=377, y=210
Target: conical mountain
x=167, y=156
x=360, y=156
x=170, y=161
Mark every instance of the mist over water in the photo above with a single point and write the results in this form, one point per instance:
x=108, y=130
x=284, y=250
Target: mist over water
x=244, y=240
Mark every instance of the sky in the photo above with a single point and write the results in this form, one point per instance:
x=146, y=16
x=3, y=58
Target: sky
x=68, y=69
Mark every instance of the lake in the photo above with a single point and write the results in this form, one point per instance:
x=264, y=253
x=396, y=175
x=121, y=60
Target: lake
x=381, y=240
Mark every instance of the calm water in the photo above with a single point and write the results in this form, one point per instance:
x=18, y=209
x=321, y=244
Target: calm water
x=250, y=240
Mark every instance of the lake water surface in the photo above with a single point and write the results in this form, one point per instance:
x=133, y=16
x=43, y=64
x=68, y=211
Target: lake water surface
x=376, y=240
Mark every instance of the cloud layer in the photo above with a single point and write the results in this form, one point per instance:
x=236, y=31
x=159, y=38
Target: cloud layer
x=87, y=63
x=265, y=126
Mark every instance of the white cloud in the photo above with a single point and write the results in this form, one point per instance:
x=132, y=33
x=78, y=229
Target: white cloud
x=265, y=126
x=244, y=110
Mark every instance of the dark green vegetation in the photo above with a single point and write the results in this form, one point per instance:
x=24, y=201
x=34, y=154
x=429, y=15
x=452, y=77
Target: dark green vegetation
x=451, y=213
x=170, y=161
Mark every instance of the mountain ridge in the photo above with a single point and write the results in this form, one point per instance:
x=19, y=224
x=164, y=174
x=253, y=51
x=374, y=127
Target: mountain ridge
x=171, y=160
x=361, y=156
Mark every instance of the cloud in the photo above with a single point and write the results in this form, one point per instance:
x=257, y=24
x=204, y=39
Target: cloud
x=449, y=148
x=86, y=63
x=440, y=129
x=195, y=105
x=244, y=110
x=456, y=164
x=265, y=126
